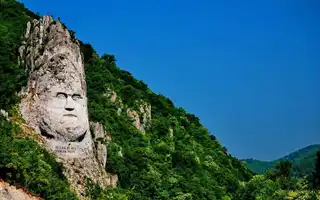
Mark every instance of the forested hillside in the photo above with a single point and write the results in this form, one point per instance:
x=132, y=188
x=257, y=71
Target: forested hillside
x=174, y=157
x=303, y=162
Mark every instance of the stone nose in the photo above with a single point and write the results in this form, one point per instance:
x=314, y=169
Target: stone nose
x=69, y=104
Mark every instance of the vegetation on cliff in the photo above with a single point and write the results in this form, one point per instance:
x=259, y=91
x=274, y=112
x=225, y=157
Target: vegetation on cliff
x=190, y=163
x=25, y=164
x=174, y=158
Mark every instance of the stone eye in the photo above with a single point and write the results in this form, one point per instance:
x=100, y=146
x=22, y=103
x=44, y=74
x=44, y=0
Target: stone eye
x=76, y=97
x=61, y=95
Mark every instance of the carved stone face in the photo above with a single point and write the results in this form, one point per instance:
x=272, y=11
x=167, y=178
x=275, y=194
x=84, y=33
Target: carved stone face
x=65, y=111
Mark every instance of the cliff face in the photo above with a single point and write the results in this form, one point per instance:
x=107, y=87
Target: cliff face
x=55, y=103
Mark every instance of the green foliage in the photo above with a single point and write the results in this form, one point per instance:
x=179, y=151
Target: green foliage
x=176, y=158
x=262, y=188
x=13, y=20
x=24, y=163
x=277, y=184
x=130, y=94
x=95, y=192
x=258, y=166
x=189, y=164
x=87, y=51
x=257, y=188
x=316, y=174
x=283, y=168
x=283, y=174
x=303, y=162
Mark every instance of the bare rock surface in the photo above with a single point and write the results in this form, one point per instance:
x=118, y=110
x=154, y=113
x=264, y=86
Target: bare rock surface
x=54, y=102
x=100, y=138
x=9, y=192
x=141, y=117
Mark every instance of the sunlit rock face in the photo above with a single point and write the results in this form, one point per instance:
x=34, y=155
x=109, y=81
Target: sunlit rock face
x=54, y=102
x=64, y=119
x=65, y=113
x=10, y=192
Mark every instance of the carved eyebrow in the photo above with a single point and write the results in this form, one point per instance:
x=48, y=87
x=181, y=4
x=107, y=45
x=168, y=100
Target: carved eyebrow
x=62, y=93
x=76, y=95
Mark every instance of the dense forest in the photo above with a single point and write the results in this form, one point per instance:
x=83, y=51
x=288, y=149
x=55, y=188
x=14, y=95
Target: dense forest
x=303, y=162
x=185, y=163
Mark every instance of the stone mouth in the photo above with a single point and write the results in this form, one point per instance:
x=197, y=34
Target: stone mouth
x=70, y=115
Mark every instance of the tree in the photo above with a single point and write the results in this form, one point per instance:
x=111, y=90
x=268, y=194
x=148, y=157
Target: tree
x=283, y=175
x=109, y=58
x=284, y=168
x=316, y=173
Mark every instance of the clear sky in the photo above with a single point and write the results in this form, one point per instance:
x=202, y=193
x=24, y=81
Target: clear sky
x=250, y=70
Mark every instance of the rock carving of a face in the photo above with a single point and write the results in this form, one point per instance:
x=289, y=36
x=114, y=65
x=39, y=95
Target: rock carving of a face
x=56, y=103
x=65, y=111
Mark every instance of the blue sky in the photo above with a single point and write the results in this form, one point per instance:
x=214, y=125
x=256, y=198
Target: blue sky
x=249, y=69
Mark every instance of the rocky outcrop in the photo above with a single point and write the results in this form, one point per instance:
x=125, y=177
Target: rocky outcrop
x=100, y=138
x=114, y=98
x=54, y=102
x=4, y=113
x=142, y=117
x=9, y=192
x=171, y=132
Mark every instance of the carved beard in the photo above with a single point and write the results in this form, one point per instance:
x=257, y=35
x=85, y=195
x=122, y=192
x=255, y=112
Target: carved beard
x=62, y=131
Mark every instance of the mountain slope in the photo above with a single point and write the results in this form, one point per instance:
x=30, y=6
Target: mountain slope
x=174, y=157
x=303, y=161
x=158, y=151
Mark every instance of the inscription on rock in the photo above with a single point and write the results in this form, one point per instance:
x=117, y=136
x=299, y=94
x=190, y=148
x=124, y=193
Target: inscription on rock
x=60, y=149
x=70, y=150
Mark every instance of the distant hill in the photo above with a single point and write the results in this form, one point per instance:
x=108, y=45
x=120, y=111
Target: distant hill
x=303, y=161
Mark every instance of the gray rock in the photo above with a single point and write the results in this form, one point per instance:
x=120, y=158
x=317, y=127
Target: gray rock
x=98, y=130
x=4, y=113
x=141, y=118
x=55, y=102
x=102, y=154
x=100, y=137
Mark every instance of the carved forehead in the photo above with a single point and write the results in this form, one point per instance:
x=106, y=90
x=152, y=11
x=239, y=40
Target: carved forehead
x=64, y=78
x=64, y=67
x=68, y=89
x=62, y=60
